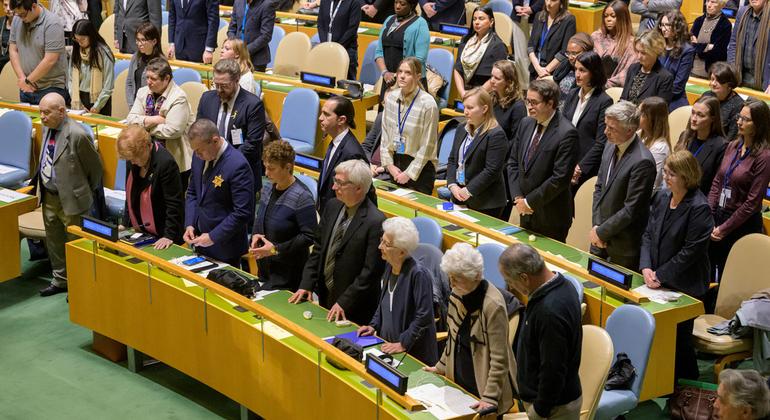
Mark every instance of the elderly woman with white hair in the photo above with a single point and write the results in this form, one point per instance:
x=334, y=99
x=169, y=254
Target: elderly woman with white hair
x=742, y=395
x=404, y=317
x=477, y=355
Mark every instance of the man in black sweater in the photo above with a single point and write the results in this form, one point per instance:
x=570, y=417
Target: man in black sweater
x=550, y=339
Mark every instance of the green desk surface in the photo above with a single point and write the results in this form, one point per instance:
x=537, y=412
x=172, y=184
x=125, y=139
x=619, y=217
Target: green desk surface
x=699, y=90
x=543, y=244
x=278, y=302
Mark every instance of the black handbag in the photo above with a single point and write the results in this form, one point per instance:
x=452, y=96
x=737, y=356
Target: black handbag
x=348, y=347
x=622, y=373
x=234, y=281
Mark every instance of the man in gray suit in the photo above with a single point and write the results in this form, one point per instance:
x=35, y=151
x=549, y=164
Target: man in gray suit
x=69, y=172
x=129, y=14
x=623, y=189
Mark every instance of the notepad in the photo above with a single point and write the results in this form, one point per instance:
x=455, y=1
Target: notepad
x=444, y=402
x=363, y=341
x=9, y=196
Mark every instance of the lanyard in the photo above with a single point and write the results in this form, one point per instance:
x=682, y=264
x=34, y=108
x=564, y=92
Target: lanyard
x=737, y=159
x=332, y=15
x=464, y=148
x=543, y=36
x=695, y=153
x=402, y=122
x=243, y=24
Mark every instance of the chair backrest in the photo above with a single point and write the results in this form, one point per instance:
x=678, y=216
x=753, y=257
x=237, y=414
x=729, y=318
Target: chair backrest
x=16, y=127
x=278, y=34
x=164, y=44
x=597, y=354
x=328, y=59
x=120, y=176
x=491, y=255
x=291, y=54
x=503, y=6
x=430, y=257
x=677, y=122
x=299, y=118
x=469, y=8
x=107, y=30
x=445, y=146
x=164, y=17
x=504, y=28
x=631, y=329
x=221, y=38
x=119, y=105
x=583, y=222
x=194, y=91
x=429, y=231
x=183, y=75
x=576, y=284
x=120, y=65
x=746, y=271
x=442, y=60
x=369, y=71
x=310, y=183
x=614, y=93
x=9, y=90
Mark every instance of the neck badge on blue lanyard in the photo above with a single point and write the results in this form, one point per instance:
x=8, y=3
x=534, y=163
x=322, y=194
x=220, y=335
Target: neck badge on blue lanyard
x=734, y=163
x=463, y=154
x=243, y=24
x=401, y=141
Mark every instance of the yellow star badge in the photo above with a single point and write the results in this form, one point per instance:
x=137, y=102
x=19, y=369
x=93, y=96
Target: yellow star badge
x=217, y=181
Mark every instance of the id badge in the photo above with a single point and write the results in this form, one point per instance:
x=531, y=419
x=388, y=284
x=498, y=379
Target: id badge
x=724, y=196
x=237, y=135
x=400, y=146
x=461, y=176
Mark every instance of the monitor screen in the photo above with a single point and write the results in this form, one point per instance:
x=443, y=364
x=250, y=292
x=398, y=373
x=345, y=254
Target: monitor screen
x=450, y=29
x=317, y=79
x=308, y=162
x=459, y=106
x=99, y=228
x=609, y=274
x=387, y=374
x=729, y=13
x=767, y=194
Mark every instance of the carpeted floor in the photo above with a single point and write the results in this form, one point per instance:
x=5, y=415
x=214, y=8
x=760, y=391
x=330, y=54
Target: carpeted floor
x=48, y=370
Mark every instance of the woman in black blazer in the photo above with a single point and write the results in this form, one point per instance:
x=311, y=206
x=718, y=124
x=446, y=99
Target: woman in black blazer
x=480, y=49
x=704, y=138
x=648, y=77
x=508, y=102
x=585, y=107
x=710, y=35
x=475, y=166
x=154, y=196
x=552, y=29
x=675, y=246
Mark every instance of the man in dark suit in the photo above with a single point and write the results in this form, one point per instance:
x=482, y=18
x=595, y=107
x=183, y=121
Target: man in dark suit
x=336, y=120
x=238, y=114
x=377, y=10
x=69, y=171
x=338, y=22
x=220, y=198
x=623, y=189
x=256, y=29
x=187, y=39
x=541, y=164
x=345, y=267
x=526, y=9
x=129, y=14
x=443, y=11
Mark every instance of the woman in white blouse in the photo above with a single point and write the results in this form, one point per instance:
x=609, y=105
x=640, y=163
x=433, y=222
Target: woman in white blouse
x=409, y=130
x=654, y=132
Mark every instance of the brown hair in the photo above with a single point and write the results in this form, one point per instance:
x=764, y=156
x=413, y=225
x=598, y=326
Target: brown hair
x=624, y=31
x=484, y=99
x=582, y=40
x=724, y=73
x=416, y=67
x=150, y=33
x=760, y=116
x=655, y=110
x=681, y=35
x=132, y=139
x=684, y=165
x=512, y=88
x=279, y=152
x=712, y=103
x=547, y=89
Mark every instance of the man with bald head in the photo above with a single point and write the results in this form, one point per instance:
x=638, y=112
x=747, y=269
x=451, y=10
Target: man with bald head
x=69, y=171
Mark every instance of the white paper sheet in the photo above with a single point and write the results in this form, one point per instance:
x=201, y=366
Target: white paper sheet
x=662, y=296
x=9, y=196
x=115, y=194
x=261, y=294
x=272, y=330
x=464, y=216
x=443, y=402
x=360, y=30
x=401, y=192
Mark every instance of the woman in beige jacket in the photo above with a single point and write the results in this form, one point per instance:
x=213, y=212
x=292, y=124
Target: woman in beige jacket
x=477, y=355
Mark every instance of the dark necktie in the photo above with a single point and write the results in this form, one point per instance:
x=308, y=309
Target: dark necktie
x=222, y=121
x=334, y=246
x=613, y=162
x=534, y=144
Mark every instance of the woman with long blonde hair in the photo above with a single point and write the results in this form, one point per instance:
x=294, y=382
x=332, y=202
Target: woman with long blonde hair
x=236, y=49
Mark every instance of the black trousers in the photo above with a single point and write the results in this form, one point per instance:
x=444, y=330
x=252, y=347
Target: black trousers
x=424, y=182
x=685, y=361
x=85, y=99
x=719, y=250
x=631, y=262
x=558, y=233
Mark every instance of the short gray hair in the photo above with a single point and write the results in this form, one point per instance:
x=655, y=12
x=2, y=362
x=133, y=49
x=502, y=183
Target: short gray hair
x=625, y=113
x=404, y=233
x=228, y=66
x=520, y=259
x=358, y=173
x=464, y=261
x=746, y=388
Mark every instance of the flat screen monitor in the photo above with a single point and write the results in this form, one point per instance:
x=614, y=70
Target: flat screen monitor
x=317, y=79
x=387, y=374
x=609, y=273
x=99, y=228
x=308, y=162
x=450, y=29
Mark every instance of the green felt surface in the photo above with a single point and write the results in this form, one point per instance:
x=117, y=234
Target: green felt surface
x=699, y=90
x=278, y=302
x=542, y=243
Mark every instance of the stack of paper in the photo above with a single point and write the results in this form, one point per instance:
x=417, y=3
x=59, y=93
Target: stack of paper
x=660, y=295
x=9, y=196
x=443, y=402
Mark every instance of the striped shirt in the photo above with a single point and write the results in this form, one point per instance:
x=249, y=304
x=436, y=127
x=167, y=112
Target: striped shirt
x=420, y=130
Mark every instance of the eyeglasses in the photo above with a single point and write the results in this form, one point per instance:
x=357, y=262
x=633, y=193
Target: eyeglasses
x=741, y=118
x=386, y=244
x=341, y=183
x=223, y=85
x=532, y=102
x=142, y=41
x=572, y=54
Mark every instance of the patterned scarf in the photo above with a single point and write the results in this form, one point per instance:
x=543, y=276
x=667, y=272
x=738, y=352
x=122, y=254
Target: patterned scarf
x=472, y=53
x=152, y=106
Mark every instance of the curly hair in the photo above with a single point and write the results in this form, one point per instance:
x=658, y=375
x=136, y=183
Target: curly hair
x=279, y=152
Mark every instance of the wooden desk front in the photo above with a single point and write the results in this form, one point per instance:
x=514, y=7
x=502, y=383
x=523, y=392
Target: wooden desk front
x=9, y=232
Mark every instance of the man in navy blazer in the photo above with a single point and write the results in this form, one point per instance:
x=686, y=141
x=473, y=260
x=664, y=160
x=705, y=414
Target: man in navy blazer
x=220, y=199
x=337, y=118
x=238, y=114
x=256, y=30
x=443, y=11
x=187, y=39
x=541, y=164
x=338, y=22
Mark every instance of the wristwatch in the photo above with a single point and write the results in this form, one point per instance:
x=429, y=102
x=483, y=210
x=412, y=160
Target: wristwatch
x=274, y=251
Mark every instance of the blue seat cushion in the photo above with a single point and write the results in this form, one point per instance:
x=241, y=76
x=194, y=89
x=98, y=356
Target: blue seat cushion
x=300, y=146
x=13, y=179
x=614, y=403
